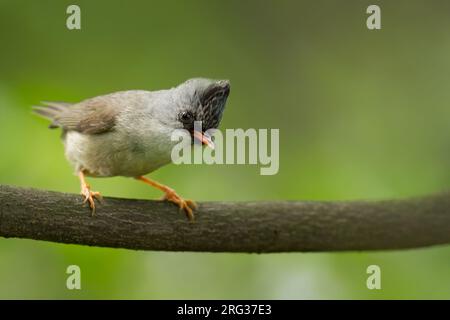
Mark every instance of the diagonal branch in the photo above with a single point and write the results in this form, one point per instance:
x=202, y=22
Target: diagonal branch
x=283, y=226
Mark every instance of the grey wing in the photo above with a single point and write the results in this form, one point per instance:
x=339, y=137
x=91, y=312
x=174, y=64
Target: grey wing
x=92, y=116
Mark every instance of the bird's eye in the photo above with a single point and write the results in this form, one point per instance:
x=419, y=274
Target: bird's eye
x=186, y=117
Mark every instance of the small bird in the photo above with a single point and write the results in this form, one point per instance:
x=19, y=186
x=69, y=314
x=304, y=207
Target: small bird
x=128, y=133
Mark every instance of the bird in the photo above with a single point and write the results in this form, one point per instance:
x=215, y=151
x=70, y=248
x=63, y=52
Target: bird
x=128, y=133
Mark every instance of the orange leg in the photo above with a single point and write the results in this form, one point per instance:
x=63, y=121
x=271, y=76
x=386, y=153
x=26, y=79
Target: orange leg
x=172, y=196
x=86, y=192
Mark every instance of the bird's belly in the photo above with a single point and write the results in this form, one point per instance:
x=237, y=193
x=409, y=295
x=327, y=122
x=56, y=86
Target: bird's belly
x=106, y=156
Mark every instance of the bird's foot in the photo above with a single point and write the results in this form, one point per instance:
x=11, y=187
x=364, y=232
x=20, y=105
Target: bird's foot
x=186, y=205
x=90, y=197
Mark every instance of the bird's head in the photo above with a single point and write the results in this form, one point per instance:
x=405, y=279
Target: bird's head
x=202, y=100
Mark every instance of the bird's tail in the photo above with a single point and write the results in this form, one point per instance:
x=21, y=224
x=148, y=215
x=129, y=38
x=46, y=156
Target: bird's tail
x=51, y=110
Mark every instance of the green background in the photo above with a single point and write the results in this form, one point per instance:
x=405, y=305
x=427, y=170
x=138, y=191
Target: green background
x=362, y=115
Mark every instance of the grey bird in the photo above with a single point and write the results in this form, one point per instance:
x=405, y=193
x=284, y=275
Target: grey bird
x=128, y=133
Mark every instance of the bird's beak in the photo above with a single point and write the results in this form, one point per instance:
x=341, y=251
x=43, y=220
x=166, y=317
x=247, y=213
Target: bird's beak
x=204, y=138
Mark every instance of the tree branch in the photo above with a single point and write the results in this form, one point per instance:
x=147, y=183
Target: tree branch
x=282, y=226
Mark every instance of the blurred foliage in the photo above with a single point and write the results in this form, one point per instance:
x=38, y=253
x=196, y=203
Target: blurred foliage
x=362, y=114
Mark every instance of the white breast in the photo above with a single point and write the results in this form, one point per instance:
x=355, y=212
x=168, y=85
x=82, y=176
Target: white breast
x=116, y=154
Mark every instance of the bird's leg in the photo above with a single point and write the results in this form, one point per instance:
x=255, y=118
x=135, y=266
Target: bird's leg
x=87, y=194
x=172, y=196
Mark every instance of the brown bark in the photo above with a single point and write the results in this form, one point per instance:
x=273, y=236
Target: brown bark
x=281, y=226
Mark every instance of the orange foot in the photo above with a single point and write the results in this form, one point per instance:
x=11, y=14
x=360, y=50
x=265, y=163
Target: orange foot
x=89, y=197
x=87, y=194
x=170, y=195
x=186, y=205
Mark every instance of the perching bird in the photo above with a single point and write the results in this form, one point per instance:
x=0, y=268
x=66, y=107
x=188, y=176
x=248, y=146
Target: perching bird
x=128, y=133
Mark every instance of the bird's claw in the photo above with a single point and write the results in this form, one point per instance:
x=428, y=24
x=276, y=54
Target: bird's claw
x=188, y=206
x=90, y=197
